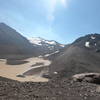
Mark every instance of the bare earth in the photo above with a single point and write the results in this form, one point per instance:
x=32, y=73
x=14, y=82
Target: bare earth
x=11, y=71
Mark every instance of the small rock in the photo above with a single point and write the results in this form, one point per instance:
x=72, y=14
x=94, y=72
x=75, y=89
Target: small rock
x=98, y=89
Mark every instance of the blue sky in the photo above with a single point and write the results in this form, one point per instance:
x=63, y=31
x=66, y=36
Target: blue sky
x=60, y=20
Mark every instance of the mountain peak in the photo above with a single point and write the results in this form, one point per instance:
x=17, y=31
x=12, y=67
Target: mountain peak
x=3, y=24
x=40, y=41
x=89, y=41
x=49, y=46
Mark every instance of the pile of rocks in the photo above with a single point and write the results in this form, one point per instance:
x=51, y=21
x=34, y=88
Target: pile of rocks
x=61, y=89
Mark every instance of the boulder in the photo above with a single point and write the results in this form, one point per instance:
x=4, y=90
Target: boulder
x=87, y=77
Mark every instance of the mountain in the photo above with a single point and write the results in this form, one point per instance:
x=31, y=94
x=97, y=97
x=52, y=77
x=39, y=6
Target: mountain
x=13, y=43
x=46, y=47
x=83, y=55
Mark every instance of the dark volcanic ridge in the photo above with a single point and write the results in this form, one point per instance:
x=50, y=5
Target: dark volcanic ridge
x=81, y=56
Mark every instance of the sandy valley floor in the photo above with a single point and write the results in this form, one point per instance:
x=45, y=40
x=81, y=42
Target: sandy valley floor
x=11, y=71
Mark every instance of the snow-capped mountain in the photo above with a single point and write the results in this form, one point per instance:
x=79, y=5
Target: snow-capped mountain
x=13, y=43
x=46, y=47
x=40, y=41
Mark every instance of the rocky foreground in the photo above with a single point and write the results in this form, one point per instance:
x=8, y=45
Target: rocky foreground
x=56, y=89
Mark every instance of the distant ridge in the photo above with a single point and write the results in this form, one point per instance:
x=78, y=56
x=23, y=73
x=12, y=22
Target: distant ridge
x=46, y=47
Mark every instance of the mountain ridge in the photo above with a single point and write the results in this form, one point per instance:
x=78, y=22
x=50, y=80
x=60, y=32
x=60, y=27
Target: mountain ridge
x=78, y=57
x=13, y=43
x=49, y=46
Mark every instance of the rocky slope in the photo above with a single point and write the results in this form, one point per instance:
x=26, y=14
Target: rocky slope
x=83, y=55
x=63, y=89
x=13, y=43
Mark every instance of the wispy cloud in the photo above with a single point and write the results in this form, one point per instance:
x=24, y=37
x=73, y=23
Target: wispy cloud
x=65, y=3
x=51, y=7
x=51, y=10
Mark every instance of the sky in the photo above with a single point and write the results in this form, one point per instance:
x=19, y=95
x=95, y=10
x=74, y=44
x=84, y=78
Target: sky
x=60, y=20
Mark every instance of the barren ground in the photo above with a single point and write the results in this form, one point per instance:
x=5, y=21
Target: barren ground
x=11, y=71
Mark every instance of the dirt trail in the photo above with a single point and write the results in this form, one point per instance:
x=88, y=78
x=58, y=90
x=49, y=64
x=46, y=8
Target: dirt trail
x=11, y=71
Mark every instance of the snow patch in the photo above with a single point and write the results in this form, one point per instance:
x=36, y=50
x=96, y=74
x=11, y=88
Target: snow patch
x=56, y=52
x=95, y=44
x=40, y=56
x=87, y=44
x=40, y=42
x=62, y=45
x=47, y=55
x=55, y=72
x=92, y=37
x=36, y=41
x=51, y=42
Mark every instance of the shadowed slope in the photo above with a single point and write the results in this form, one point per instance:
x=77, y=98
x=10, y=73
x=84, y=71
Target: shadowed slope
x=79, y=57
x=11, y=42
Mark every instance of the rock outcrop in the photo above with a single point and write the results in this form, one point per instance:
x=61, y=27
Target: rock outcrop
x=87, y=77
